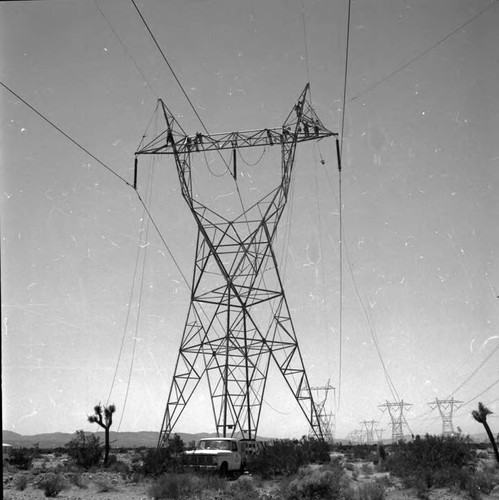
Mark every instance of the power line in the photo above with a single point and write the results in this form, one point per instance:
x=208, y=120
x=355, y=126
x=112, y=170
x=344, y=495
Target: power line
x=137, y=320
x=305, y=38
x=188, y=100
x=340, y=209
x=127, y=52
x=169, y=66
x=106, y=167
x=77, y=144
x=163, y=240
x=472, y=374
x=347, y=51
x=419, y=56
x=483, y=392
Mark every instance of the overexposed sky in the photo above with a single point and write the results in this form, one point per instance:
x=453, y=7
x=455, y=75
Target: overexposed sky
x=419, y=191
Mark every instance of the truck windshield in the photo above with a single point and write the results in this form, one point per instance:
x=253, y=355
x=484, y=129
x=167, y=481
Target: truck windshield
x=214, y=445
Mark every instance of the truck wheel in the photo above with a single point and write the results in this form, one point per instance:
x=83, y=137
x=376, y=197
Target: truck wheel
x=224, y=470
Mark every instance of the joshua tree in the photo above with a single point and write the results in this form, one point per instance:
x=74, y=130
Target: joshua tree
x=105, y=423
x=480, y=415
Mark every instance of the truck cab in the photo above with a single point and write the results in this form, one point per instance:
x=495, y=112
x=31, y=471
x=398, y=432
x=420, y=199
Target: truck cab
x=221, y=455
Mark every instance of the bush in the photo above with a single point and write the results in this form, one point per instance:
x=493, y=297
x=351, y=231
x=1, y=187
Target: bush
x=364, y=491
x=85, y=449
x=366, y=469
x=477, y=482
x=285, y=456
x=20, y=482
x=174, y=486
x=371, y=491
x=52, y=484
x=243, y=489
x=120, y=467
x=316, y=482
x=430, y=461
x=78, y=480
x=171, y=486
x=160, y=462
x=167, y=459
x=21, y=458
x=104, y=485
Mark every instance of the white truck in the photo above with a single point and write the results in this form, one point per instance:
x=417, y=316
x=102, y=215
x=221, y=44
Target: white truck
x=222, y=455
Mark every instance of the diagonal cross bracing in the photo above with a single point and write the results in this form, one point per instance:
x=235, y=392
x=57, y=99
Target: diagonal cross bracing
x=238, y=321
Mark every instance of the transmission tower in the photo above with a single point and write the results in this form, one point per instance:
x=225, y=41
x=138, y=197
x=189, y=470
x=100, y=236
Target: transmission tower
x=379, y=434
x=396, y=412
x=446, y=409
x=238, y=319
x=327, y=418
x=369, y=430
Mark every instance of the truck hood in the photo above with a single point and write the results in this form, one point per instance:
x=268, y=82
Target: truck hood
x=207, y=452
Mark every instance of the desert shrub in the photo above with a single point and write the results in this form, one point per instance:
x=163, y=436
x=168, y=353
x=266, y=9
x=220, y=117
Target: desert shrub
x=316, y=482
x=364, y=491
x=361, y=451
x=243, y=489
x=167, y=459
x=170, y=486
x=174, y=486
x=119, y=467
x=52, y=484
x=285, y=456
x=366, y=469
x=477, y=482
x=104, y=485
x=381, y=451
x=21, y=458
x=20, y=482
x=78, y=480
x=85, y=449
x=371, y=491
x=434, y=460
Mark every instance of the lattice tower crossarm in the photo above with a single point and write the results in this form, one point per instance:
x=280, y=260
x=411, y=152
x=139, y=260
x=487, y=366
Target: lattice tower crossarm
x=446, y=409
x=224, y=337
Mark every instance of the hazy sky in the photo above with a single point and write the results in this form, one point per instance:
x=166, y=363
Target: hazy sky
x=420, y=204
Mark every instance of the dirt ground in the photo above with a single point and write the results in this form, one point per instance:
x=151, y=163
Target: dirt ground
x=112, y=485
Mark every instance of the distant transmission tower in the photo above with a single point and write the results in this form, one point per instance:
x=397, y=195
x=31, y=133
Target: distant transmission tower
x=446, y=409
x=379, y=434
x=238, y=319
x=327, y=418
x=396, y=412
x=369, y=427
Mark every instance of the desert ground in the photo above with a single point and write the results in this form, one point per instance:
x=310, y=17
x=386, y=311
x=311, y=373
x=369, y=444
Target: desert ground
x=121, y=482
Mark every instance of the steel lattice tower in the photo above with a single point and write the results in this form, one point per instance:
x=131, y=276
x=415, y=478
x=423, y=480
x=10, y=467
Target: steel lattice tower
x=446, y=409
x=369, y=426
x=379, y=434
x=236, y=283
x=396, y=412
x=327, y=418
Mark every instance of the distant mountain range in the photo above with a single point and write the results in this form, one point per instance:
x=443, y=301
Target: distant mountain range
x=148, y=439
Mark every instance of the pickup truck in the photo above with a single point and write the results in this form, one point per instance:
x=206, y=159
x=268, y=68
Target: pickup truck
x=222, y=455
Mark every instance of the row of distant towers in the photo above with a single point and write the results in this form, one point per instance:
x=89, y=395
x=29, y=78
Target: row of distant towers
x=370, y=433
